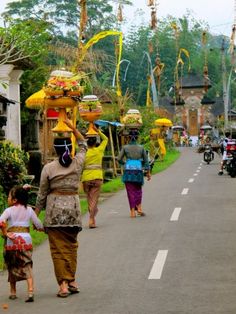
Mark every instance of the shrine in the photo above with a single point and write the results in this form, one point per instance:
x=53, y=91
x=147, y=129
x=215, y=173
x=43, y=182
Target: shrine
x=193, y=108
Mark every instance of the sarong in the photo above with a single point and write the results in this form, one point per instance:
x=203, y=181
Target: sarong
x=19, y=265
x=92, y=189
x=64, y=246
x=134, y=193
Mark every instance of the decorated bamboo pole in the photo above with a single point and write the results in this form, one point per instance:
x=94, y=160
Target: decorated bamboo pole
x=82, y=25
x=205, y=67
x=112, y=150
x=45, y=136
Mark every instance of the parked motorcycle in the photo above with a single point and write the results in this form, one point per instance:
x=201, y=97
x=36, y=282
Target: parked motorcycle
x=208, y=154
x=231, y=159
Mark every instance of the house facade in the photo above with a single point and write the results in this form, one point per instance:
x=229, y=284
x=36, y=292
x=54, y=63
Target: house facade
x=10, y=75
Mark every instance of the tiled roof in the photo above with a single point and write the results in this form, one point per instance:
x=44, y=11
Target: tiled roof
x=194, y=81
x=5, y=100
x=166, y=102
x=218, y=107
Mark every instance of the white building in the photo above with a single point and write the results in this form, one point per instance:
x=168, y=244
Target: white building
x=10, y=88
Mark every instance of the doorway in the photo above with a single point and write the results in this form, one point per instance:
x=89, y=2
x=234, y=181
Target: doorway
x=193, y=122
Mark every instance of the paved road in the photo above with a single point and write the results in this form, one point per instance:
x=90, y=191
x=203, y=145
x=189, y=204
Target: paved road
x=179, y=259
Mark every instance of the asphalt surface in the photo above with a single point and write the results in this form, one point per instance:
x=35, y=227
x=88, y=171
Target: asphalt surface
x=179, y=259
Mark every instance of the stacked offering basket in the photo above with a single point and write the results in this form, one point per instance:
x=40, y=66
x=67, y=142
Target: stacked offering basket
x=90, y=110
x=62, y=91
x=133, y=119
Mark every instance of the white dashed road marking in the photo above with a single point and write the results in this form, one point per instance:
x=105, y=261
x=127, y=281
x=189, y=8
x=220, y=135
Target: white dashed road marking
x=185, y=191
x=191, y=180
x=158, y=265
x=175, y=214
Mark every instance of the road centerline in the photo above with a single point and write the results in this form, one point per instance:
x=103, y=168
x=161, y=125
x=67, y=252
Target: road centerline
x=175, y=214
x=158, y=265
x=191, y=180
x=185, y=191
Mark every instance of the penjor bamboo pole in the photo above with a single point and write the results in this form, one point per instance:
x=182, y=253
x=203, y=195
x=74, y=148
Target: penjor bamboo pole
x=112, y=150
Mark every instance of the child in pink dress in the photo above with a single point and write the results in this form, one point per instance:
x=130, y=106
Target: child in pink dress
x=15, y=225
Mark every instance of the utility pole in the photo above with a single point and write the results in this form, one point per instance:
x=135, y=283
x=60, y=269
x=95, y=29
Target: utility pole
x=225, y=94
x=227, y=83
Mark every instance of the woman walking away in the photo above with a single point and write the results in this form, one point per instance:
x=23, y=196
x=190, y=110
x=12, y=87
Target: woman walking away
x=92, y=176
x=18, y=242
x=58, y=194
x=136, y=160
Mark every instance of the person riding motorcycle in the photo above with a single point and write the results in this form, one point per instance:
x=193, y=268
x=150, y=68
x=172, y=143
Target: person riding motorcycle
x=224, y=153
x=208, y=153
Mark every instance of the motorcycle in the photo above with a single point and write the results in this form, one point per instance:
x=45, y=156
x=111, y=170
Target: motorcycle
x=231, y=158
x=208, y=154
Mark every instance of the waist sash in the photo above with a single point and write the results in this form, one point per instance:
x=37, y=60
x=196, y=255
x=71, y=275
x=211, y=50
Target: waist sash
x=133, y=164
x=93, y=167
x=60, y=192
x=18, y=229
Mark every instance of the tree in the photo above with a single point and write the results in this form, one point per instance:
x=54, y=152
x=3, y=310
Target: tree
x=26, y=40
x=20, y=40
x=62, y=22
x=62, y=18
x=64, y=15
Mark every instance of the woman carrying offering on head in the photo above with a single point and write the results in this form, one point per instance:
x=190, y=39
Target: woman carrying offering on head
x=92, y=176
x=134, y=158
x=58, y=194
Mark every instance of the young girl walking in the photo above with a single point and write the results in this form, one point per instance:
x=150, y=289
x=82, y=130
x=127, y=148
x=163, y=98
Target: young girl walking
x=15, y=225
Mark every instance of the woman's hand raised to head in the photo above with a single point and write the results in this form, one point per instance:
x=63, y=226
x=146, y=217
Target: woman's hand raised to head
x=69, y=124
x=95, y=128
x=76, y=133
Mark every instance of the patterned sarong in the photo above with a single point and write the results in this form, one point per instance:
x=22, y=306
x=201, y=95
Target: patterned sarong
x=63, y=246
x=134, y=193
x=92, y=189
x=19, y=264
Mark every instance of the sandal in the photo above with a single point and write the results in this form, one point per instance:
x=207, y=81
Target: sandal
x=73, y=289
x=92, y=226
x=63, y=294
x=30, y=297
x=141, y=214
x=92, y=223
x=12, y=297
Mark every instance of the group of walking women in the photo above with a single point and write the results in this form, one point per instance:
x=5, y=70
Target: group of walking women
x=58, y=195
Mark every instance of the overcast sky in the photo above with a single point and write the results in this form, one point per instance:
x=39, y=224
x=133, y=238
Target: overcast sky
x=218, y=13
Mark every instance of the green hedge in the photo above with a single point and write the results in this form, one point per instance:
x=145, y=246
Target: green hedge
x=13, y=167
